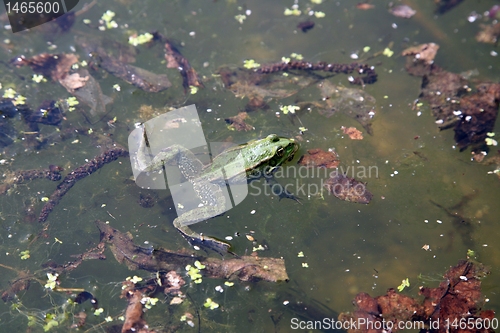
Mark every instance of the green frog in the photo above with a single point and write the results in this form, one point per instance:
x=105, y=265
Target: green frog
x=238, y=164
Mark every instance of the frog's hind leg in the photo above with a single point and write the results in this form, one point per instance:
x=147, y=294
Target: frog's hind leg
x=213, y=204
x=194, y=216
x=209, y=243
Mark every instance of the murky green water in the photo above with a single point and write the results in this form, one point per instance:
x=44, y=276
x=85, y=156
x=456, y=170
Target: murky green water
x=349, y=248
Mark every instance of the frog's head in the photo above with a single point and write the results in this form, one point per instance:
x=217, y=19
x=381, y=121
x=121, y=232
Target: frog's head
x=280, y=149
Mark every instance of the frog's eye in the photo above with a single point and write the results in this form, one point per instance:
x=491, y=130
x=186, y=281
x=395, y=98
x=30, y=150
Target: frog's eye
x=274, y=138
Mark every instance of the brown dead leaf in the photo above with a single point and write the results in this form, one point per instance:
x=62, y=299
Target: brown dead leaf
x=55, y=66
x=317, y=158
x=238, y=122
x=133, y=315
x=353, y=133
x=73, y=81
x=365, y=6
x=423, y=52
x=489, y=33
x=20, y=283
x=348, y=189
x=456, y=300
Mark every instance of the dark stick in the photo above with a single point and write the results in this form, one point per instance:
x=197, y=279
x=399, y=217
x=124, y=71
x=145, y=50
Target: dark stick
x=79, y=173
x=369, y=71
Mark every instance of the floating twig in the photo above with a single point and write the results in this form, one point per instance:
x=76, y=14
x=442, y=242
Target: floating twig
x=369, y=71
x=21, y=176
x=79, y=173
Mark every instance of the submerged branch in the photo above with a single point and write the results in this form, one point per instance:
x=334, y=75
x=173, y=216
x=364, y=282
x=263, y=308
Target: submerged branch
x=79, y=173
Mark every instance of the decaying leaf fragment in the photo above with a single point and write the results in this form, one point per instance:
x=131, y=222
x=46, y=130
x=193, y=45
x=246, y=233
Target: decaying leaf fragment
x=20, y=283
x=354, y=103
x=238, y=122
x=423, y=52
x=454, y=104
x=489, y=33
x=133, y=314
x=404, y=11
x=80, y=84
x=114, y=58
x=457, y=299
x=348, y=189
x=74, y=81
x=260, y=88
x=55, y=66
x=317, y=158
x=352, y=132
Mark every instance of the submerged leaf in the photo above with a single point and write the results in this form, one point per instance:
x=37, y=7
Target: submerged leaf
x=348, y=189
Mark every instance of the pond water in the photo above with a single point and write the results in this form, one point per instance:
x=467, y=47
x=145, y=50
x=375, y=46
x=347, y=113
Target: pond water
x=347, y=247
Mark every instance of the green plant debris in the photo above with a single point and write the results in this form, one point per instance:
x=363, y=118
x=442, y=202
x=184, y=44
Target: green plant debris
x=388, y=52
x=229, y=284
x=19, y=100
x=285, y=60
x=25, y=255
x=193, y=90
x=210, y=304
x=294, y=11
x=194, y=273
x=305, y=265
x=98, y=312
x=9, y=93
x=366, y=49
x=297, y=56
x=149, y=302
x=491, y=142
x=300, y=254
x=135, y=279
x=38, y=78
x=471, y=254
x=317, y=1
x=289, y=109
x=303, y=129
x=50, y=322
x=405, y=283
x=240, y=18
x=258, y=248
x=72, y=102
x=51, y=281
x=141, y=39
x=199, y=265
x=319, y=14
x=250, y=64
x=107, y=18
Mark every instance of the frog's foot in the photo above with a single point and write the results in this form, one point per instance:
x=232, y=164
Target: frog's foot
x=206, y=242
